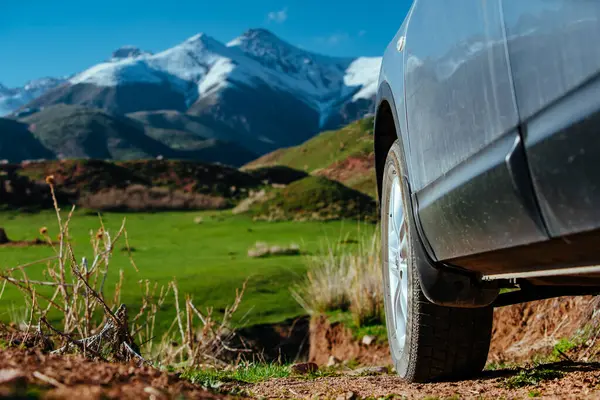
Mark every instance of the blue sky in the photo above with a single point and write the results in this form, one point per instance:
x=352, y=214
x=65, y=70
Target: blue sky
x=57, y=38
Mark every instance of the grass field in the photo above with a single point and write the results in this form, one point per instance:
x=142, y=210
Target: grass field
x=209, y=259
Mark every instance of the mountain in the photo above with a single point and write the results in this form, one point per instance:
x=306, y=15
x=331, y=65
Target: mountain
x=15, y=98
x=257, y=90
x=77, y=132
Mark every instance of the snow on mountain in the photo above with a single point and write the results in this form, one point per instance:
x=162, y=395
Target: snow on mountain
x=14, y=98
x=201, y=66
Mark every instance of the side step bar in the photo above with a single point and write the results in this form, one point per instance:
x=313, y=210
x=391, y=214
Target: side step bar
x=532, y=293
x=544, y=273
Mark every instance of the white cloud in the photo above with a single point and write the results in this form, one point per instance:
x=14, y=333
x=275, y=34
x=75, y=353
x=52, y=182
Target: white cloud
x=278, y=16
x=334, y=39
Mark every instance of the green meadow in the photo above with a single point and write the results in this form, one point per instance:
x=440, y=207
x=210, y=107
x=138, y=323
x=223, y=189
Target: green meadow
x=209, y=259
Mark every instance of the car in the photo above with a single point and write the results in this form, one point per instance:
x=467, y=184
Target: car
x=487, y=157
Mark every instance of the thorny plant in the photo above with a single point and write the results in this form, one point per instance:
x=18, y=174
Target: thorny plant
x=98, y=325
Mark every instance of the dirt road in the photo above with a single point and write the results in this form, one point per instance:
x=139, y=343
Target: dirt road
x=572, y=381
x=31, y=372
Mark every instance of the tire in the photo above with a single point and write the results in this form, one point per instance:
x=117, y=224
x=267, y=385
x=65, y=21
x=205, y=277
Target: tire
x=438, y=342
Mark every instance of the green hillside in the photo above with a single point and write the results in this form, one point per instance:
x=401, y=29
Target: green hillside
x=315, y=198
x=344, y=155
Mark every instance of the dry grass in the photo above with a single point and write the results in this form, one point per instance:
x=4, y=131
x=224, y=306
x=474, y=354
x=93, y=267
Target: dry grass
x=69, y=310
x=339, y=279
x=140, y=198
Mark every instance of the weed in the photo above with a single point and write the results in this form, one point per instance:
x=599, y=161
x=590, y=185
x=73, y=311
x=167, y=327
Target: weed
x=563, y=347
x=534, y=393
x=243, y=373
x=493, y=366
x=531, y=377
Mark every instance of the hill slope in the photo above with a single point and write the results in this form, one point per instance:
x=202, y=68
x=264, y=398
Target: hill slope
x=345, y=155
x=80, y=132
x=17, y=143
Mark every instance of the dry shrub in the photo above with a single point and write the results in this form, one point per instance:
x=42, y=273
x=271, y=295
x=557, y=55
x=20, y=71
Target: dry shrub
x=71, y=310
x=342, y=279
x=140, y=198
x=205, y=345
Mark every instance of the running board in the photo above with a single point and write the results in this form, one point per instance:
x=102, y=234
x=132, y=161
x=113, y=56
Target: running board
x=534, y=293
x=544, y=273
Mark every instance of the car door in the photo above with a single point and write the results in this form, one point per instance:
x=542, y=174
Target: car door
x=555, y=59
x=464, y=150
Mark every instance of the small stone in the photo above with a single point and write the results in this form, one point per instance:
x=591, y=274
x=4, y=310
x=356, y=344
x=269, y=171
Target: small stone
x=367, y=340
x=304, y=368
x=154, y=393
x=346, y=396
x=12, y=377
x=333, y=361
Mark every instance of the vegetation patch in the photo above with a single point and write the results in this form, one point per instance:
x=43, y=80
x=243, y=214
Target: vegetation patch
x=247, y=373
x=531, y=377
x=316, y=198
x=209, y=259
x=131, y=185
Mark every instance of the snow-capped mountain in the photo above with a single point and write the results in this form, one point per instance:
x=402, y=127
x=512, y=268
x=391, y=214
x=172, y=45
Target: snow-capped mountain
x=270, y=93
x=14, y=98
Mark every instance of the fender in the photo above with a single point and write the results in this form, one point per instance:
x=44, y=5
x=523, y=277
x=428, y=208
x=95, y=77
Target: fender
x=442, y=284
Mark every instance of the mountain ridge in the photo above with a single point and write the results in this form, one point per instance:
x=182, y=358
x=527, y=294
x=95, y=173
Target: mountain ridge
x=257, y=90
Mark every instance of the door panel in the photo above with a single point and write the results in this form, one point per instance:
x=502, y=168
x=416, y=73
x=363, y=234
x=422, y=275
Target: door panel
x=482, y=205
x=458, y=88
x=553, y=48
x=555, y=58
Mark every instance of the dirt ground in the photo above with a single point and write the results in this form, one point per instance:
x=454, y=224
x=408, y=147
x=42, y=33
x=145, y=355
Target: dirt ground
x=31, y=374
x=521, y=333
x=580, y=381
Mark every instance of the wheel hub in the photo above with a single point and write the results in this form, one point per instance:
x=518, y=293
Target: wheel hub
x=398, y=263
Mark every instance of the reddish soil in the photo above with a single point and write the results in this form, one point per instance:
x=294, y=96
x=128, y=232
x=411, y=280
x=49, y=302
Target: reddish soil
x=75, y=377
x=522, y=330
x=348, y=169
x=327, y=339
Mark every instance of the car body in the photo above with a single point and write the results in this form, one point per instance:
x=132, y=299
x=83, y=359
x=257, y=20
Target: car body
x=495, y=109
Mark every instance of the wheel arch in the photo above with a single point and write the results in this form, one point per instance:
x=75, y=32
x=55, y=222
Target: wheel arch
x=385, y=131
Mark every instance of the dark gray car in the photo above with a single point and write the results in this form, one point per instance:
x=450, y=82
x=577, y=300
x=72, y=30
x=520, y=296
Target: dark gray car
x=488, y=164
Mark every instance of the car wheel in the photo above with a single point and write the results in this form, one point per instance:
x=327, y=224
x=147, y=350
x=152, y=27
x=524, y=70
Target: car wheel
x=427, y=342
